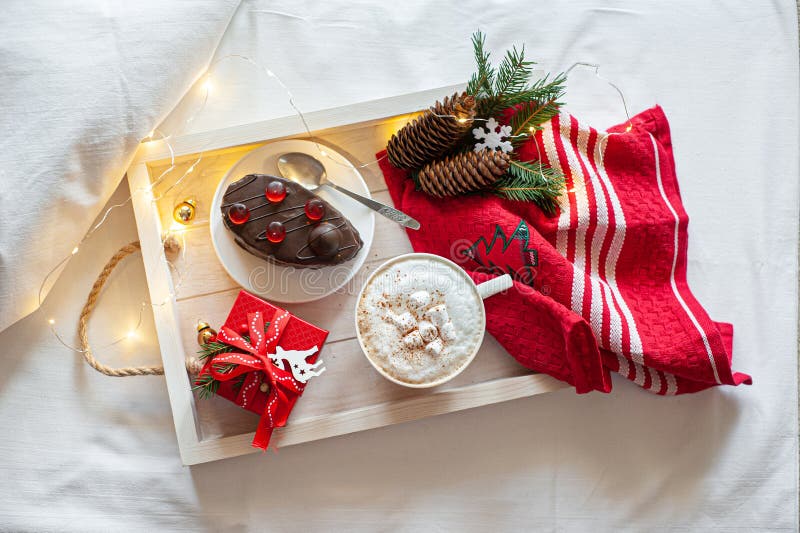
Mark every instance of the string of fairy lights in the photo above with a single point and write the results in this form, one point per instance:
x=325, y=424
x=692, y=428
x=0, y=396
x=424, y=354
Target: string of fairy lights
x=170, y=237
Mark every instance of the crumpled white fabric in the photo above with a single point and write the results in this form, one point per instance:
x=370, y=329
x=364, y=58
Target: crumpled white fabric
x=80, y=86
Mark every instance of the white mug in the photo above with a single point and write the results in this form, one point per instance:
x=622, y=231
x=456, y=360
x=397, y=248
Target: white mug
x=483, y=291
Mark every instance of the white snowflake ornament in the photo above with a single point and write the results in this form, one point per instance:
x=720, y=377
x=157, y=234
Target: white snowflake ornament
x=493, y=137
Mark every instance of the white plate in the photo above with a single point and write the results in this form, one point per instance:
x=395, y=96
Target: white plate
x=289, y=284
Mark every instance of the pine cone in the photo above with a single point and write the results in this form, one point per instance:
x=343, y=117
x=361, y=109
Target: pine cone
x=468, y=171
x=432, y=135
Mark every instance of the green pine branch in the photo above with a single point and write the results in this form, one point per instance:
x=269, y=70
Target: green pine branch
x=529, y=116
x=481, y=81
x=513, y=73
x=531, y=181
x=205, y=384
x=508, y=85
x=210, y=349
x=542, y=90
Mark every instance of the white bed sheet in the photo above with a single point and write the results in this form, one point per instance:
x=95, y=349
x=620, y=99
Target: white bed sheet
x=80, y=451
x=80, y=86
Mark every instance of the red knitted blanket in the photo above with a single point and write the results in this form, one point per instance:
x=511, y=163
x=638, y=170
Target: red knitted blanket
x=599, y=287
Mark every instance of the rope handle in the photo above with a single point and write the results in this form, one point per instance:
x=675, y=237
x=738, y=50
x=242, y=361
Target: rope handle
x=193, y=366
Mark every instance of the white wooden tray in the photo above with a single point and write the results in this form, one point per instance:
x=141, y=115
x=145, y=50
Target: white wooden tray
x=350, y=396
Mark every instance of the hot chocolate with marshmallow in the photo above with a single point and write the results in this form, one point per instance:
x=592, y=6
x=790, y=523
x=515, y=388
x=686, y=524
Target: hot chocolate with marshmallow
x=419, y=320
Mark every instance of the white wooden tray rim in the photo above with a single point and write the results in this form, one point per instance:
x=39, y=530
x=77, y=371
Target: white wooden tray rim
x=336, y=117
x=193, y=450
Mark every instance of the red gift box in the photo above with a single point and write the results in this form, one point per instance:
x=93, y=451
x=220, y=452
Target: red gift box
x=275, y=362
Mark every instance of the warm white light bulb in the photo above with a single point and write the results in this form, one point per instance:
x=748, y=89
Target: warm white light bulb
x=207, y=85
x=51, y=321
x=131, y=334
x=75, y=250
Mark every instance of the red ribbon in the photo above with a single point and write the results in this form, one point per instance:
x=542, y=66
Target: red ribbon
x=255, y=357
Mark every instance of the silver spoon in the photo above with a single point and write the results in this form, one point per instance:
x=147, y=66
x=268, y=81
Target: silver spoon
x=310, y=173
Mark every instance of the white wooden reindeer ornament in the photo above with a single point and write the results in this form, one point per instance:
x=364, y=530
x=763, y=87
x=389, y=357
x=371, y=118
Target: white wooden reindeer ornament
x=301, y=370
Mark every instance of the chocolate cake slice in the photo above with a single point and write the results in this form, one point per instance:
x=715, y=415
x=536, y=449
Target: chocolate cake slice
x=281, y=221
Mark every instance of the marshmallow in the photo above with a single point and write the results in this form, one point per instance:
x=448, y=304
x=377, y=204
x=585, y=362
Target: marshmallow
x=405, y=322
x=419, y=299
x=413, y=340
x=448, y=331
x=434, y=347
x=427, y=330
x=438, y=315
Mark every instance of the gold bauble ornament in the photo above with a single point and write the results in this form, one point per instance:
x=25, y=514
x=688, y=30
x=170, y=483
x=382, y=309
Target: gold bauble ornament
x=204, y=333
x=184, y=212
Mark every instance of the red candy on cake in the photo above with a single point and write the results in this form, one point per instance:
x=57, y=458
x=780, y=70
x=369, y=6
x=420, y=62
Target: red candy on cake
x=315, y=209
x=275, y=191
x=238, y=214
x=276, y=231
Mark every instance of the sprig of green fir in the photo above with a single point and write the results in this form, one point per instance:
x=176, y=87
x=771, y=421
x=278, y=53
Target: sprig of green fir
x=210, y=349
x=496, y=89
x=536, y=102
x=531, y=181
x=530, y=115
x=206, y=385
x=482, y=81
